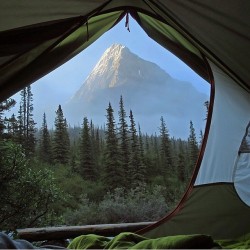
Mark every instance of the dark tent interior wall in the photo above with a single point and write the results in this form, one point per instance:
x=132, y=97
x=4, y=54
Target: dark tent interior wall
x=211, y=36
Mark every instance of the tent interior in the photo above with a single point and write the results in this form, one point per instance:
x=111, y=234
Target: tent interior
x=212, y=37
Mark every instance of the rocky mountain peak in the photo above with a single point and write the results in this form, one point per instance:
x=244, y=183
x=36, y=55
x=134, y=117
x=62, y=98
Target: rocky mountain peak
x=110, y=62
x=119, y=66
x=146, y=89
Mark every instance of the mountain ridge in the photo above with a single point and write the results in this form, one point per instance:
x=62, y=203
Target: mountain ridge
x=146, y=89
x=110, y=64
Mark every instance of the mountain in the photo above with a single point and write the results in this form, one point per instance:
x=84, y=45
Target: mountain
x=146, y=89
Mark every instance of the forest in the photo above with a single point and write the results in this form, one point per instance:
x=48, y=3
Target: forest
x=89, y=174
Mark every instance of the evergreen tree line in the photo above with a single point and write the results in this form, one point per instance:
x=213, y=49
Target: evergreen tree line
x=27, y=193
x=116, y=156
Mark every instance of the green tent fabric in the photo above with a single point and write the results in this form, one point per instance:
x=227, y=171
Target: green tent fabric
x=210, y=36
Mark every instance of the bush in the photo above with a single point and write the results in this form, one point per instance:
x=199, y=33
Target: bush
x=139, y=204
x=121, y=206
x=26, y=195
x=87, y=213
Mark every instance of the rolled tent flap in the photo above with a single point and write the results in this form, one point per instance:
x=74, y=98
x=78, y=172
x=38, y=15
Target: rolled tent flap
x=173, y=41
x=41, y=56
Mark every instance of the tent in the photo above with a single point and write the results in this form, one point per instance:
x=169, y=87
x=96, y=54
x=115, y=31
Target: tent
x=211, y=36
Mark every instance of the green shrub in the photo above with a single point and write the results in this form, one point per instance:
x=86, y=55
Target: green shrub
x=26, y=195
x=139, y=204
x=87, y=213
x=121, y=206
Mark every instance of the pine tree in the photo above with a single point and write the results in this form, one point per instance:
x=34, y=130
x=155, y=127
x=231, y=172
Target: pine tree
x=20, y=131
x=124, y=143
x=193, y=147
x=206, y=104
x=61, y=144
x=137, y=169
x=26, y=134
x=5, y=106
x=113, y=175
x=30, y=124
x=97, y=145
x=165, y=150
x=23, y=109
x=12, y=127
x=87, y=166
x=148, y=157
x=45, y=147
x=142, y=156
x=181, y=163
x=155, y=155
x=74, y=157
x=147, y=144
x=201, y=138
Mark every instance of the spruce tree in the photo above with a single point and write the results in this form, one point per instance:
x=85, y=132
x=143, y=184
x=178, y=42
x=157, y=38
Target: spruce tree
x=12, y=127
x=155, y=153
x=45, y=147
x=87, y=166
x=206, y=104
x=5, y=106
x=124, y=143
x=137, y=169
x=142, y=156
x=20, y=131
x=26, y=122
x=113, y=174
x=61, y=144
x=148, y=157
x=165, y=150
x=193, y=147
x=181, y=163
x=147, y=144
x=30, y=124
x=201, y=138
x=23, y=109
x=97, y=145
x=74, y=157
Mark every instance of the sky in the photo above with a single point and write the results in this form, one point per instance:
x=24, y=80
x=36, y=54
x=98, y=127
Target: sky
x=60, y=85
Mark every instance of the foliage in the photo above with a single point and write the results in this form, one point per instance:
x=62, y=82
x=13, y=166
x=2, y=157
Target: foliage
x=89, y=175
x=26, y=122
x=193, y=147
x=121, y=206
x=136, y=166
x=123, y=134
x=138, y=204
x=4, y=106
x=165, y=151
x=113, y=173
x=61, y=142
x=45, y=147
x=87, y=167
x=26, y=195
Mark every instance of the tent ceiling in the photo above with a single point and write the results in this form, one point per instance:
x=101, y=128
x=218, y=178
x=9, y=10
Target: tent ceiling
x=31, y=32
